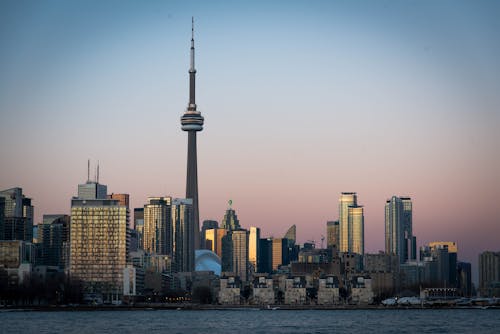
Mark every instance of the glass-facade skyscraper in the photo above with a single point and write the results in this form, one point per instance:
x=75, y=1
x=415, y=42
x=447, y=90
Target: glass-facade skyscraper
x=351, y=224
x=357, y=226
x=17, y=223
x=53, y=236
x=346, y=199
x=157, y=230
x=399, y=239
x=183, y=236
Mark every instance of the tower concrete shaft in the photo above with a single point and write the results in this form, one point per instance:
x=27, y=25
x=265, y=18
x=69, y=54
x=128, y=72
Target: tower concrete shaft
x=192, y=184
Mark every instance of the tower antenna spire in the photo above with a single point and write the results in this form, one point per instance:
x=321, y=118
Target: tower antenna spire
x=88, y=170
x=97, y=171
x=192, y=73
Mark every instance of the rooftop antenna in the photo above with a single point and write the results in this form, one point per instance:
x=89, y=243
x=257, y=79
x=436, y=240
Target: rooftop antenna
x=97, y=171
x=88, y=170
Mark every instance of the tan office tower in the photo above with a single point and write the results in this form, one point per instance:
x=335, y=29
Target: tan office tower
x=253, y=247
x=213, y=238
x=279, y=252
x=98, y=244
x=240, y=253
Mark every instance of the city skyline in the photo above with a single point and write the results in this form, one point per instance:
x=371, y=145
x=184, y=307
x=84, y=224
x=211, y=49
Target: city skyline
x=305, y=104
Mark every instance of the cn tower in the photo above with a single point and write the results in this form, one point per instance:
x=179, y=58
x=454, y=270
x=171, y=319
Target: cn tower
x=192, y=122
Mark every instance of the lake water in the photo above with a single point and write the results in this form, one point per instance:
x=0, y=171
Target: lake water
x=253, y=321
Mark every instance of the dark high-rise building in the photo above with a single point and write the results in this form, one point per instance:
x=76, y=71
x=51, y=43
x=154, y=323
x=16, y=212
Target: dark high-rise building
x=265, y=261
x=207, y=225
x=399, y=239
x=18, y=216
x=489, y=274
x=139, y=226
x=53, y=237
x=464, y=274
x=2, y=217
x=192, y=122
x=182, y=236
x=291, y=235
x=230, y=221
x=332, y=233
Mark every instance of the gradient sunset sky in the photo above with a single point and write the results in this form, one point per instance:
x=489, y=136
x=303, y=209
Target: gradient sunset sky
x=302, y=100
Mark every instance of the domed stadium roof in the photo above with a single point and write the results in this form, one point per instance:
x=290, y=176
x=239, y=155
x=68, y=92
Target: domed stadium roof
x=206, y=260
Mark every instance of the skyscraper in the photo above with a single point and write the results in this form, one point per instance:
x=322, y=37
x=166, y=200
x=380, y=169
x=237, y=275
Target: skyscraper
x=489, y=273
x=279, y=252
x=230, y=221
x=411, y=240
x=240, y=253
x=18, y=216
x=157, y=232
x=357, y=225
x=182, y=234
x=192, y=122
x=139, y=226
x=291, y=234
x=332, y=233
x=399, y=239
x=253, y=247
x=207, y=225
x=53, y=235
x=213, y=240
x=123, y=199
x=346, y=199
x=98, y=241
x=351, y=224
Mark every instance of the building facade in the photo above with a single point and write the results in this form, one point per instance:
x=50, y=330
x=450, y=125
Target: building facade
x=332, y=234
x=230, y=221
x=53, y=237
x=207, y=225
x=240, y=253
x=18, y=213
x=157, y=230
x=351, y=224
x=98, y=243
x=399, y=239
x=489, y=273
x=253, y=247
x=357, y=226
x=183, y=235
x=213, y=240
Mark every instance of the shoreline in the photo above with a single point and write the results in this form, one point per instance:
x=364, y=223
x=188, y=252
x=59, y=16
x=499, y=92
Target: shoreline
x=200, y=307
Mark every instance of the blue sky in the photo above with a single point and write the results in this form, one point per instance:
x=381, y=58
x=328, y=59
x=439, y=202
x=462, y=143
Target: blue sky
x=301, y=101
